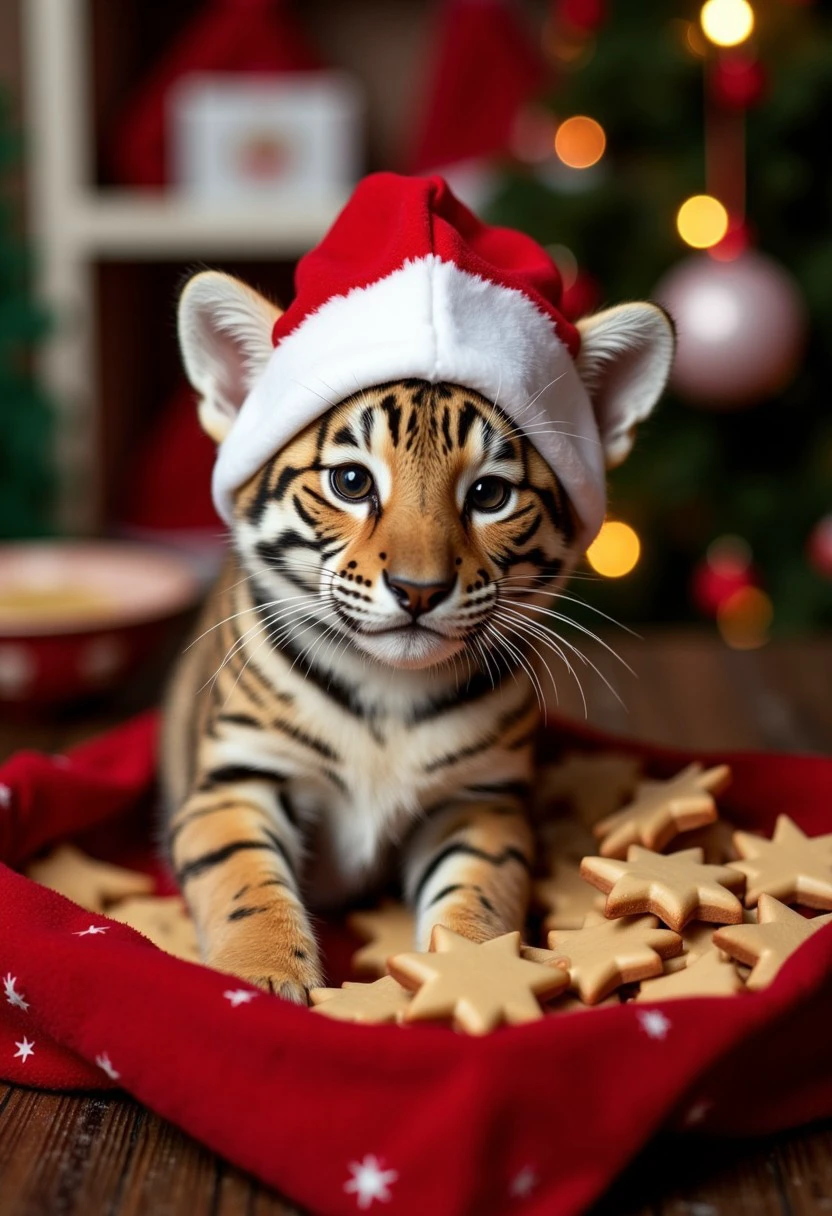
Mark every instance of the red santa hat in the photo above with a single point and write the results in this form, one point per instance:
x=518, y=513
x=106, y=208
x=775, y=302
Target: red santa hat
x=408, y=283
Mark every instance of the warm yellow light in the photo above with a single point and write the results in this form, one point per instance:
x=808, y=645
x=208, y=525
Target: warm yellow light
x=615, y=550
x=744, y=619
x=727, y=22
x=580, y=142
x=702, y=221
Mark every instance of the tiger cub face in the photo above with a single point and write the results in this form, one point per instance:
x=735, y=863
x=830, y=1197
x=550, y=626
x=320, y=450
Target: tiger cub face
x=411, y=516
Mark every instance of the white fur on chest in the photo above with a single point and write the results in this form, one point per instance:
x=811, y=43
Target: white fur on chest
x=386, y=763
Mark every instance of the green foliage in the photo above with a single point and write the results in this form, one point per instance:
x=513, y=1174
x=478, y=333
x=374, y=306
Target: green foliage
x=764, y=472
x=27, y=474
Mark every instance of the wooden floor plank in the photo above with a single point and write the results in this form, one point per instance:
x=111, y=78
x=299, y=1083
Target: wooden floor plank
x=806, y=1171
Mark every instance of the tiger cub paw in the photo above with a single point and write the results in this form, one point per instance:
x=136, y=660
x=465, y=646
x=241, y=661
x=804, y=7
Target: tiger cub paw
x=287, y=972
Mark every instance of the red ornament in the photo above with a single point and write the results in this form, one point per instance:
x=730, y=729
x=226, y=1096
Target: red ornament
x=581, y=296
x=736, y=241
x=583, y=15
x=738, y=82
x=819, y=547
x=726, y=569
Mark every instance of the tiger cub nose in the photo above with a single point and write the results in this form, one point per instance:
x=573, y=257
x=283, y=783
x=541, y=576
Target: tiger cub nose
x=417, y=598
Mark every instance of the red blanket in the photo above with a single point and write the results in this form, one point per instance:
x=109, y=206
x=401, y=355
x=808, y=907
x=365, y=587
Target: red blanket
x=344, y=1118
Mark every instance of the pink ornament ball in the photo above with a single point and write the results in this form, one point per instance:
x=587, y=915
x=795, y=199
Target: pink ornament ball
x=741, y=328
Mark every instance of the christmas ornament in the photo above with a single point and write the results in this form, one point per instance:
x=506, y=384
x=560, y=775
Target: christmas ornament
x=583, y=15
x=741, y=328
x=726, y=569
x=819, y=547
x=745, y=618
x=738, y=81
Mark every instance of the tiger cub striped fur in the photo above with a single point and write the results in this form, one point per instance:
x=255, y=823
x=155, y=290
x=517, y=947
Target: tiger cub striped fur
x=359, y=703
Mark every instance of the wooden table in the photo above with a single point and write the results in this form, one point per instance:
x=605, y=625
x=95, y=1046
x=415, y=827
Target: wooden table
x=89, y=1155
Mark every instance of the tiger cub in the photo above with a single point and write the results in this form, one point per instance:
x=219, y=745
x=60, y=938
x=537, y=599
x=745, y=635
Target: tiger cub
x=360, y=701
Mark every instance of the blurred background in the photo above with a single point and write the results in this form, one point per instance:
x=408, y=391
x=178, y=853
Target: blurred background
x=663, y=149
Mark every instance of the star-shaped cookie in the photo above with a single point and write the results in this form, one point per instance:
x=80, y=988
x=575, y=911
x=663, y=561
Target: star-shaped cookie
x=477, y=986
x=662, y=809
x=593, y=784
x=383, y=1001
x=707, y=975
x=792, y=866
x=676, y=887
x=767, y=945
x=387, y=930
x=164, y=920
x=566, y=897
x=607, y=953
x=86, y=881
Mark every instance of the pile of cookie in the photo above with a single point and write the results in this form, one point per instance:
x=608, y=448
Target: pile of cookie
x=644, y=894
x=642, y=900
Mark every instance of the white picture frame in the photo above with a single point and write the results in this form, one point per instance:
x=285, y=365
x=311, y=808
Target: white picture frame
x=242, y=137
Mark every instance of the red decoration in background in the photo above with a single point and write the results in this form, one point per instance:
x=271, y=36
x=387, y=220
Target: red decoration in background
x=584, y=15
x=170, y=482
x=486, y=70
x=736, y=241
x=819, y=547
x=228, y=36
x=581, y=296
x=738, y=81
x=726, y=569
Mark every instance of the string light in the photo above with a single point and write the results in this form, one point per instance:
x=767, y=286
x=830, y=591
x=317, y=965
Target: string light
x=702, y=221
x=615, y=550
x=580, y=142
x=727, y=22
x=745, y=618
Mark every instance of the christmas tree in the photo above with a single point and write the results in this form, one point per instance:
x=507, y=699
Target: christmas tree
x=721, y=498
x=26, y=419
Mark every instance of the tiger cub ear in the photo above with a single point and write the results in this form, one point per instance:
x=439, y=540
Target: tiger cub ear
x=624, y=361
x=225, y=336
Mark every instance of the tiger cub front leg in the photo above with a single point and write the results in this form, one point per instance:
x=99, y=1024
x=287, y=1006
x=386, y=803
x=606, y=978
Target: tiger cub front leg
x=468, y=868
x=236, y=857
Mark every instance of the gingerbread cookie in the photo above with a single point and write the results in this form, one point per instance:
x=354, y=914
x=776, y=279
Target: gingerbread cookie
x=566, y=898
x=383, y=1001
x=793, y=867
x=593, y=784
x=86, y=881
x=605, y=954
x=766, y=946
x=477, y=986
x=662, y=809
x=164, y=920
x=387, y=930
x=678, y=887
x=706, y=974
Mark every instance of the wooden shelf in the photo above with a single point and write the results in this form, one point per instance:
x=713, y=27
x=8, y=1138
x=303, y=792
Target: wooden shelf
x=132, y=225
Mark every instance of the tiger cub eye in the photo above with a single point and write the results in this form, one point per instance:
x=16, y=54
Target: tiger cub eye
x=352, y=482
x=489, y=494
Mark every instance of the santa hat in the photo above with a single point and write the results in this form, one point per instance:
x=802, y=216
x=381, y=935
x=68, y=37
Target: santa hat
x=409, y=284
